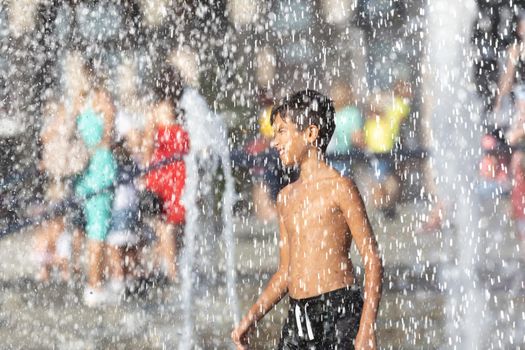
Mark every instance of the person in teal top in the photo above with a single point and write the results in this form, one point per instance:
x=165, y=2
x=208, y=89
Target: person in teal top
x=348, y=125
x=348, y=121
x=90, y=126
x=93, y=185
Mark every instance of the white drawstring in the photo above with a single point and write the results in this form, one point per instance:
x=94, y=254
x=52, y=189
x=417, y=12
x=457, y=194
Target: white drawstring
x=308, y=325
x=298, y=321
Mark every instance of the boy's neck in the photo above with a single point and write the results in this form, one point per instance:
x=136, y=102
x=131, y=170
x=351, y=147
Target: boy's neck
x=311, y=164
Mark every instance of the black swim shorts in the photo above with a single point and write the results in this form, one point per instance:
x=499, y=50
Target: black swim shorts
x=329, y=321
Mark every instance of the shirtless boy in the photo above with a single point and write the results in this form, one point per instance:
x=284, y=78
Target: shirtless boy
x=319, y=216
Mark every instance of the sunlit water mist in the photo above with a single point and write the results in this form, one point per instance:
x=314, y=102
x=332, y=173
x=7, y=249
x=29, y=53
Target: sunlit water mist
x=209, y=155
x=455, y=134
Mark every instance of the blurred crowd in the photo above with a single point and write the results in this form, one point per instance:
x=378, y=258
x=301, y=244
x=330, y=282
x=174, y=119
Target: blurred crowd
x=499, y=76
x=115, y=172
x=502, y=167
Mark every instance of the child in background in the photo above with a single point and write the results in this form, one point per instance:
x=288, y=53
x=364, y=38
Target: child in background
x=348, y=124
x=381, y=134
x=94, y=187
x=51, y=246
x=123, y=237
x=167, y=140
x=76, y=88
x=265, y=172
x=516, y=139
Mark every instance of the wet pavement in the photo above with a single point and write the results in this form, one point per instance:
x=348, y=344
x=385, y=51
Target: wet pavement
x=411, y=316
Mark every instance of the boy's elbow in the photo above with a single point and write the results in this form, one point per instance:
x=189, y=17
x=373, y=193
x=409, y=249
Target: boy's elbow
x=283, y=277
x=379, y=270
x=379, y=266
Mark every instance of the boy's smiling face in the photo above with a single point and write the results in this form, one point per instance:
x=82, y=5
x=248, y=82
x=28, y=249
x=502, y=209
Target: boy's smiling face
x=290, y=142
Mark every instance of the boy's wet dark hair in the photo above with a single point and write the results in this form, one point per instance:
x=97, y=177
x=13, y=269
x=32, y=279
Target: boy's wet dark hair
x=309, y=107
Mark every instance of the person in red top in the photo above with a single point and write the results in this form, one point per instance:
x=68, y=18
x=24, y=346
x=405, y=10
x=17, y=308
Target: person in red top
x=171, y=141
x=167, y=141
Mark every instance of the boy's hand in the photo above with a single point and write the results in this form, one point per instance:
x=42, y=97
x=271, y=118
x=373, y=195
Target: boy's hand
x=365, y=340
x=239, y=338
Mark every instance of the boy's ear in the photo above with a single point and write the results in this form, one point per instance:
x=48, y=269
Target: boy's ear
x=311, y=134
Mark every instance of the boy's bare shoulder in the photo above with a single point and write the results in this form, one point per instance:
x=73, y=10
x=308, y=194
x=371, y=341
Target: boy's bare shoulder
x=339, y=181
x=345, y=188
x=283, y=195
x=346, y=182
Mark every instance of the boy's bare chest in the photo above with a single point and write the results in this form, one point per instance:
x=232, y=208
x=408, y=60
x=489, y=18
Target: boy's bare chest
x=306, y=208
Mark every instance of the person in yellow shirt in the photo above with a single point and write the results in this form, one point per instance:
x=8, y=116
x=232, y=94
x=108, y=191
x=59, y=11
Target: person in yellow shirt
x=381, y=134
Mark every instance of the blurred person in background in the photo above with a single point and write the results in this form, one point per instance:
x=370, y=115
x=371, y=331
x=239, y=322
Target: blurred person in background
x=516, y=139
x=130, y=118
x=381, y=134
x=167, y=141
x=76, y=88
x=94, y=187
x=265, y=170
x=513, y=77
x=348, y=124
x=51, y=240
x=513, y=80
x=124, y=238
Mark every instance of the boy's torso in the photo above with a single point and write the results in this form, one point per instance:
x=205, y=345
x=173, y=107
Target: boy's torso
x=318, y=236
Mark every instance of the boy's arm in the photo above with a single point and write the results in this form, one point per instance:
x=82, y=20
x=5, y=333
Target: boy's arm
x=352, y=206
x=275, y=290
